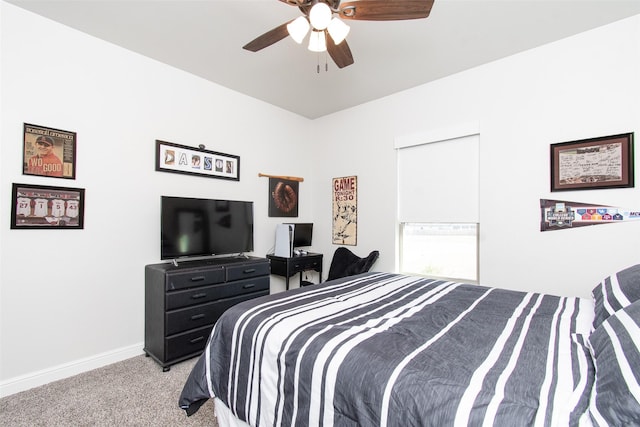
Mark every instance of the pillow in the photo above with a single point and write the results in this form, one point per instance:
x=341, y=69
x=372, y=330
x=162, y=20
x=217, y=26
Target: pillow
x=615, y=292
x=615, y=400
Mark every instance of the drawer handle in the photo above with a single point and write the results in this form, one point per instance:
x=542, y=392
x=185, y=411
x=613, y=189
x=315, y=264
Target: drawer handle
x=249, y=270
x=197, y=316
x=197, y=278
x=249, y=286
x=197, y=296
x=197, y=340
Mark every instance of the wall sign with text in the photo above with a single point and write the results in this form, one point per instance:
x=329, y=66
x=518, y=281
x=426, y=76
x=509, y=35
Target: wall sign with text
x=562, y=214
x=177, y=158
x=345, y=211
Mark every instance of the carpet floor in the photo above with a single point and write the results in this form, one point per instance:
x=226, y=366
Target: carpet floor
x=133, y=392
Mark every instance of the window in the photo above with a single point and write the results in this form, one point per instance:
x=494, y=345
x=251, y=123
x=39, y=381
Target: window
x=445, y=250
x=438, y=201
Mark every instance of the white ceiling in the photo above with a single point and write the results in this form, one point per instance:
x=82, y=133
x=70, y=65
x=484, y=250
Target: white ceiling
x=205, y=38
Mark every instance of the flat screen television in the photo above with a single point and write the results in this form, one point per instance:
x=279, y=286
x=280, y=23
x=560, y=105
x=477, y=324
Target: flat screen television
x=191, y=227
x=302, y=234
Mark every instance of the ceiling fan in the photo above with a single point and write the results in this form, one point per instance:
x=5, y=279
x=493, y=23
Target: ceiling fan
x=328, y=32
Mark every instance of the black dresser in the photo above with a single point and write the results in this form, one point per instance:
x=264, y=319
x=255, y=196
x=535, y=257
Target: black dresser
x=183, y=302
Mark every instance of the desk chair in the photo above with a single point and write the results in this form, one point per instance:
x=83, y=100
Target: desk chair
x=346, y=263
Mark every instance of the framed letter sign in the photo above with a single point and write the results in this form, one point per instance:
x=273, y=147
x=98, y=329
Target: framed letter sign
x=177, y=158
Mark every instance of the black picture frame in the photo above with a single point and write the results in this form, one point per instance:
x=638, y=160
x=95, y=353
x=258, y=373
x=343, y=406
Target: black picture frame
x=595, y=163
x=46, y=207
x=284, y=197
x=48, y=152
x=176, y=158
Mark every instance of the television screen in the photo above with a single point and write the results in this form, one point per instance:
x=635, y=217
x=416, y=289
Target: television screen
x=302, y=234
x=200, y=227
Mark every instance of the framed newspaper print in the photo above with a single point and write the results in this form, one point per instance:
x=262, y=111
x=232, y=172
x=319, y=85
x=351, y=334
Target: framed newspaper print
x=177, y=158
x=48, y=152
x=604, y=162
x=46, y=207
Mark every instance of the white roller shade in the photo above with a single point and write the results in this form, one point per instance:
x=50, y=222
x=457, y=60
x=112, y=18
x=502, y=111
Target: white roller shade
x=438, y=181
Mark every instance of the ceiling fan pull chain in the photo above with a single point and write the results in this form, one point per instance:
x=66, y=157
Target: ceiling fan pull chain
x=326, y=63
x=318, y=66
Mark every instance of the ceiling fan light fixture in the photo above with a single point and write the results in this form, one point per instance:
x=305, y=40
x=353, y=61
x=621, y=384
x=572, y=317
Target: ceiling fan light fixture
x=320, y=15
x=298, y=28
x=338, y=30
x=317, y=41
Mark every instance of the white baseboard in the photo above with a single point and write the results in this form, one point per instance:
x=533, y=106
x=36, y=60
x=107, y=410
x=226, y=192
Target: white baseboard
x=45, y=376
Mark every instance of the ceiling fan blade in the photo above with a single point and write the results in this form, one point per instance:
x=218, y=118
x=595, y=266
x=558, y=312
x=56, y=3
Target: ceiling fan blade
x=268, y=38
x=340, y=53
x=385, y=10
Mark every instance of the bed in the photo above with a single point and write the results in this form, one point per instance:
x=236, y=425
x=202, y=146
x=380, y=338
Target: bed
x=383, y=349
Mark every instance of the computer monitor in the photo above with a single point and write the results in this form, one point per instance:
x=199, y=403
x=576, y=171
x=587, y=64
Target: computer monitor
x=302, y=234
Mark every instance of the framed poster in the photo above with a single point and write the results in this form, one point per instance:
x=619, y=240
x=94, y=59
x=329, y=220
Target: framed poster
x=45, y=207
x=48, y=152
x=345, y=211
x=283, y=197
x=604, y=162
x=177, y=158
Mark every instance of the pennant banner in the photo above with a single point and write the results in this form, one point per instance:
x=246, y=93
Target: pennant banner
x=558, y=214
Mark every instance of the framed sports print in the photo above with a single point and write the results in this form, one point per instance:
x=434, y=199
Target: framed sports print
x=48, y=152
x=283, y=197
x=178, y=158
x=46, y=207
x=345, y=211
x=603, y=162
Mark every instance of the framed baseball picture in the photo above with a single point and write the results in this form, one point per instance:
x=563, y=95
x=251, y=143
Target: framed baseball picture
x=46, y=207
x=49, y=152
x=284, y=197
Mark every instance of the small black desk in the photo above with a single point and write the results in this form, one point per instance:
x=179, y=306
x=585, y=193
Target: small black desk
x=287, y=267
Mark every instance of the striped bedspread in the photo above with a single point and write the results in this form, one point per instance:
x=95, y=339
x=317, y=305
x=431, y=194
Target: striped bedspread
x=384, y=349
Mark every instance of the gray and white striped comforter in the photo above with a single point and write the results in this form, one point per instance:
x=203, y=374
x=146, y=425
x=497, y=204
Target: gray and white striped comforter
x=393, y=350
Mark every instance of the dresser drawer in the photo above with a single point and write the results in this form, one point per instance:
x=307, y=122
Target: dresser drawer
x=236, y=272
x=191, y=342
x=247, y=286
x=306, y=263
x=203, y=314
x=189, y=297
x=195, y=277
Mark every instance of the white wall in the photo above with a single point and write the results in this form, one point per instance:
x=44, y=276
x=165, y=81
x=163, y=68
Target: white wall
x=581, y=87
x=71, y=300
x=75, y=298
